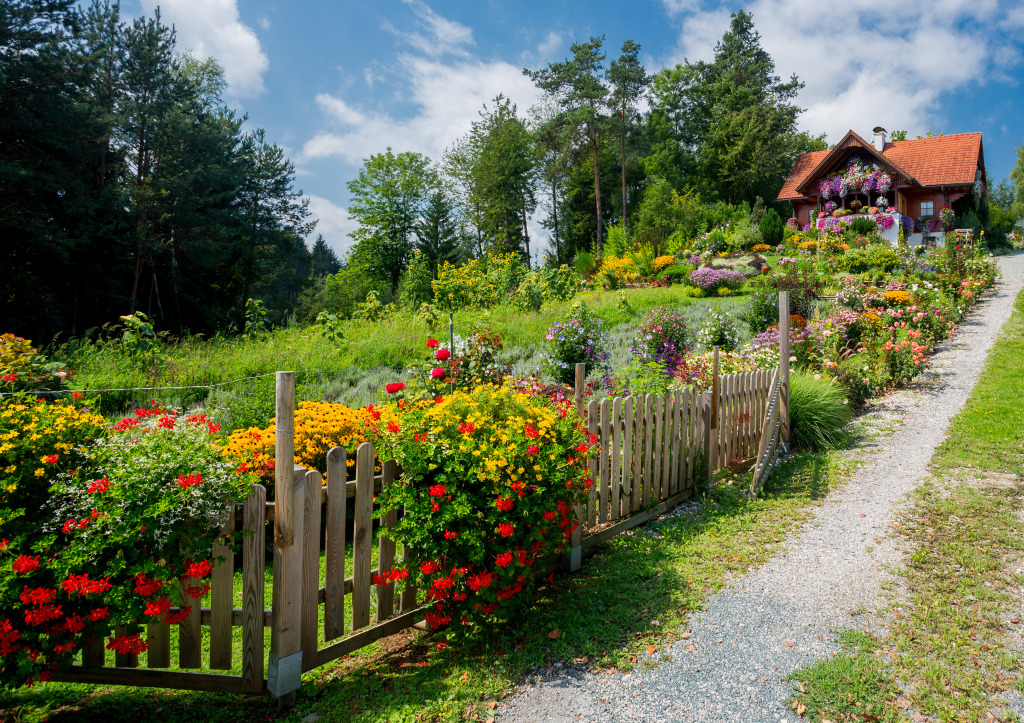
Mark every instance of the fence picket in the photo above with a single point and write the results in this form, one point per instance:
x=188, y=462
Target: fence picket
x=625, y=500
x=126, y=660
x=637, y=487
x=606, y=441
x=648, y=448
x=363, y=537
x=254, y=517
x=190, y=642
x=310, y=567
x=659, y=442
x=677, y=416
x=334, y=544
x=221, y=598
x=159, y=653
x=386, y=548
x=684, y=431
x=594, y=429
x=666, y=447
x=616, y=458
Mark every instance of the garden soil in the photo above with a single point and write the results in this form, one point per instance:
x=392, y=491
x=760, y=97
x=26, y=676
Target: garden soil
x=780, y=617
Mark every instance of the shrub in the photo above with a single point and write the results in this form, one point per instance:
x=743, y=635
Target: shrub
x=112, y=545
x=762, y=310
x=23, y=369
x=711, y=280
x=771, y=227
x=488, y=486
x=471, y=361
x=479, y=283
x=874, y=256
x=319, y=426
x=818, y=412
x=585, y=264
x=616, y=272
x=638, y=377
x=662, y=263
x=676, y=274
x=863, y=226
x=579, y=339
x=661, y=337
x=760, y=248
x=718, y=329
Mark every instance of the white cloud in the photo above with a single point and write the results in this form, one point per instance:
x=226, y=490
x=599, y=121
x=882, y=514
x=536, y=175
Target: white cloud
x=212, y=28
x=442, y=36
x=863, y=67
x=335, y=223
x=446, y=97
x=550, y=44
x=264, y=22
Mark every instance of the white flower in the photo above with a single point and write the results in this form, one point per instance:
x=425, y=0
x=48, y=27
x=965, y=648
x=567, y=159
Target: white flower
x=817, y=376
x=792, y=358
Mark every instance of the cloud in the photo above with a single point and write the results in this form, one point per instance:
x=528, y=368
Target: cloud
x=549, y=45
x=446, y=98
x=212, y=28
x=864, y=68
x=442, y=36
x=264, y=22
x=335, y=223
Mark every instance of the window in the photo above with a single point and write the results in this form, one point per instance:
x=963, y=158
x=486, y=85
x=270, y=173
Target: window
x=927, y=208
x=811, y=213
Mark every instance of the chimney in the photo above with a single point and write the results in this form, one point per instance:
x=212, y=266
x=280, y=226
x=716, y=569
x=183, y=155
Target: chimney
x=879, y=138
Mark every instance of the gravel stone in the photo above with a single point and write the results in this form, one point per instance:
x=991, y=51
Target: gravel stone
x=779, y=617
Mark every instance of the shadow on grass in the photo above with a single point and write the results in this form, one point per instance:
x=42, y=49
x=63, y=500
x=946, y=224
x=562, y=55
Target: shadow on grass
x=630, y=600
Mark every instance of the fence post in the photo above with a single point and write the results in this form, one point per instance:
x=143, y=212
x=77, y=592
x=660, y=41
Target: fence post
x=712, y=431
x=784, y=352
x=284, y=669
x=580, y=389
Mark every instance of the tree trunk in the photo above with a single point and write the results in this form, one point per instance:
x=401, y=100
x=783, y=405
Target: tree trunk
x=623, y=144
x=597, y=192
x=554, y=207
x=526, y=236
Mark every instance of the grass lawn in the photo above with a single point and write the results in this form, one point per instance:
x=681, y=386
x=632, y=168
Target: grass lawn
x=944, y=652
x=630, y=598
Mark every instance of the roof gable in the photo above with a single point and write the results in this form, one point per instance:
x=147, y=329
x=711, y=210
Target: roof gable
x=936, y=161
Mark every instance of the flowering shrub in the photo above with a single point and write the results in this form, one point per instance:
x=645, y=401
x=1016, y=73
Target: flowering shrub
x=697, y=370
x=760, y=248
x=472, y=361
x=318, y=427
x=22, y=368
x=711, y=280
x=948, y=218
x=662, y=262
x=112, y=544
x=616, y=271
x=661, y=337
x=762, y=310
x=489, y=481
x=884, y=221
x=479, y=283
x=718, y=329
x=579, y=339
x=800, y=345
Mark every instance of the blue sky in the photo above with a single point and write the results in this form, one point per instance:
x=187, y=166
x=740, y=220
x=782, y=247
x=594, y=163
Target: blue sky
x=334, y=82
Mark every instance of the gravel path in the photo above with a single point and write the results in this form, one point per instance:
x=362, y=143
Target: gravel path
x=778, y=618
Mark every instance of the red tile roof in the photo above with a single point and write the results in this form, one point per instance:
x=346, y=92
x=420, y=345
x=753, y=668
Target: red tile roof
x=937, y=161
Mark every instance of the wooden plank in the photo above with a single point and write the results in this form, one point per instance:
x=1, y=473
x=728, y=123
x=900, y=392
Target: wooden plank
x=284, y=457
x=616, y=458
x=362, y=542
x=635, y=520
x=580, y=387
x=125, y=660
x=190, y=640
x=310, y=568
x=693, y=437
x=784, y=352
x=93, y=655
x=639, y=417
x=386, y=550
x=684, y=431
x=407, y=601
x=666, y=445
x=594, y=429
x=602, y=503
x=334, y=544
x=677, y=416
x=658, y=447
x=221, y=598
x=253, y=589
x=141, y=677
x=649, y=489
x=625, y=500
x=159, y=654
x=364, y=638
x=286, y=595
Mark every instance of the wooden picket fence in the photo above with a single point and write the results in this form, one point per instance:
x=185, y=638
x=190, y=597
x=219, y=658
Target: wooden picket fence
x=652, y=450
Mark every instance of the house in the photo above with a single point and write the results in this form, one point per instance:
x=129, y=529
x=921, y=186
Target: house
x=910, y=181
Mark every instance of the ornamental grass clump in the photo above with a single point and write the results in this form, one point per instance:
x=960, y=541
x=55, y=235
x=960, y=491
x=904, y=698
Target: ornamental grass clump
x=123, y=539
x=711, y=280
x=489, y=480
x=580, y=339
x=818, y=412
x=661, y=337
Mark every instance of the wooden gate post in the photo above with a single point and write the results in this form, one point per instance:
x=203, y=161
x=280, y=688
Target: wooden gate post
x=284, y=669
x=784, y=353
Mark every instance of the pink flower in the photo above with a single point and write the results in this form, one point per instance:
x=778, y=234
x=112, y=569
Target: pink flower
x=437, y=373
x=443, y=355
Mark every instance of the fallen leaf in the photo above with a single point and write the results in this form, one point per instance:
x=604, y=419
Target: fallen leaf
x=821, y=637
x=686, y=636
x=555, y=634
x=690, y=648
x=789, y=643
x=862, y=514
x=465, y=676
x=977, y=663
x=651, y=649
x=632, y=658
x=800, y=708
x=493, y=704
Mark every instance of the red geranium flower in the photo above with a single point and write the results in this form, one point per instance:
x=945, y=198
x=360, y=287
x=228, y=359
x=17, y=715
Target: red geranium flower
x=480, y=580
x=438, y=490
x=532, y=449
x=504, y=559
x=394, y=387
x=505, y=529
x=50, y=459
x=449, y=535
x=504, y=503
x=99, y=485
x=24, y=563
x=467, y=427
x=199, y=570
x=393, y=428
x=191, y=480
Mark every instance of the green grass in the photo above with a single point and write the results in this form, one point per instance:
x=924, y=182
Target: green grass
x=943, y=651
x=635, y=592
